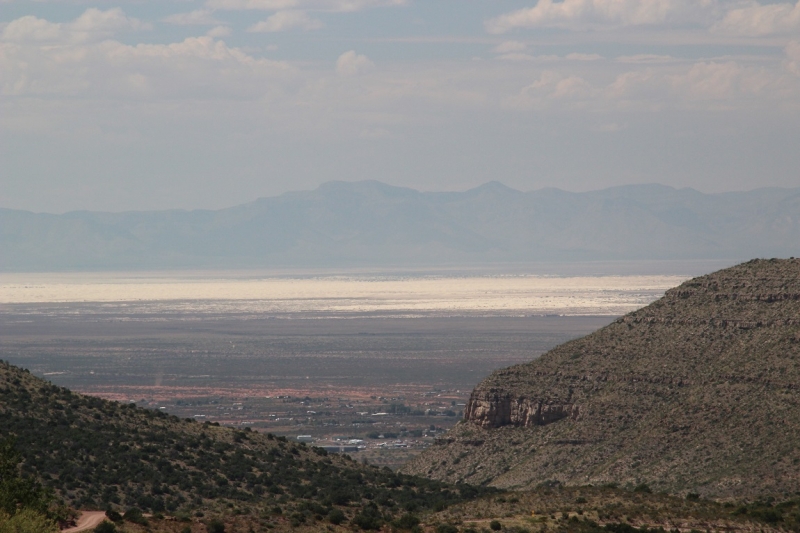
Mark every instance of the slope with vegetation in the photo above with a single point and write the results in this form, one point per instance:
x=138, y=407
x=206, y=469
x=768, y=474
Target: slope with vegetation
x=97, y=454
x=697, y=392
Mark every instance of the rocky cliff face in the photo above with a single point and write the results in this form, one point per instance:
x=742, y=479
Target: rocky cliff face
x=494, y=408
x=697, y=392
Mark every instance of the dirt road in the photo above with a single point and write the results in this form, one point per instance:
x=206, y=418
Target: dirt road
x=88, y=520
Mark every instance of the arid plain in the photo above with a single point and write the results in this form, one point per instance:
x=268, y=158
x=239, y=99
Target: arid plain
x=378, y=364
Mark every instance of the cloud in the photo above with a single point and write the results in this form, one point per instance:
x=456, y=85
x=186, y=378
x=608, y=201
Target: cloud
x=645, y=58
x=31, y=28
x=197, y=67
x=287, y=20
x=516, y=56
x=351, y=64
x=758, y=20
x=703, y=84
x=509, y=46
x=793, y=57
x=323, y=5
x=198, y=17
x=264, y=5
x=582, y=14
x=93, y=24
x=583, y=57
x=219, y=31
x=551, y=88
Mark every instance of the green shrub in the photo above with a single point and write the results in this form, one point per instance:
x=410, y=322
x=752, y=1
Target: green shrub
x=135, y=516
x=106, y=527
x=407, y=521
x=26, y=521
x=495, y=525
x=336, y=517
x=216, y=526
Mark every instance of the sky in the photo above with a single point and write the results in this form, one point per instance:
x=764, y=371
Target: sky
x=137, y=104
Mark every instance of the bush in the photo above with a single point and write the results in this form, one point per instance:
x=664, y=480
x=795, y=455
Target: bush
x=446, y=528
x=135, y=516
x=407, y=521
x=16, y=491
x=106, y=527
x=336, y=517
x=26, y=521
x=216, y=526
x=494, y=525
x=367, y=521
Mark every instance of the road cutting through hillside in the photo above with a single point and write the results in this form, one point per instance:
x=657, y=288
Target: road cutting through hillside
x=86, y=521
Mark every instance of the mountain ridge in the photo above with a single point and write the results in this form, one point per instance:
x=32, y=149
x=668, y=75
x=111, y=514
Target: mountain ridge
x=356, y=224
x=695, y=393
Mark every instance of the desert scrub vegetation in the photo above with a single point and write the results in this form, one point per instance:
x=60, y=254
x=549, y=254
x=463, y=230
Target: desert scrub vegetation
x=696, y=392
x=587, y=509
x=99, y=454
x=25, y=505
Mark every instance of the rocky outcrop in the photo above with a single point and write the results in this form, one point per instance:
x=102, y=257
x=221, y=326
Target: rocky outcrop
x=496, y=408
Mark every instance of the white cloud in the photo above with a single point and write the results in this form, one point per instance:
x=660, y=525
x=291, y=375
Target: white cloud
x=93, y=24
x=265, y=5
x=581, y=14
x=324, y=5
x=219, y=31
x=583, y=57
x=31, y=28
x=516, y=56
x=351, y=64
x=198, y=17
x=95, y=20
x=287, y=20
x=704, y=84
x=758, y=20
x=509, y=47
x=197, y=67
x=793, y=57
x=645, y=58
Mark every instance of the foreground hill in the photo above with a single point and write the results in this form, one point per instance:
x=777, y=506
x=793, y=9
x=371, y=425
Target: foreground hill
x=697, y=392
x=99, y=454
x=204, y=478
x=373, y=224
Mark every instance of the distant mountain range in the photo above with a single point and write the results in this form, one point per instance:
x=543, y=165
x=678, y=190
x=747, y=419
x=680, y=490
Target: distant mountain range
x=369, y=223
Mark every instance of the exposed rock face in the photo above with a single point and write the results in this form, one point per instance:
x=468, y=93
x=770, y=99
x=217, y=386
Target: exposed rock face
x=697, y=392
x=495, y=408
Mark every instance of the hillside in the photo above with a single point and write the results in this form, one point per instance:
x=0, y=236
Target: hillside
x=198, y=478
x=99, y=454
x=697, y=392
x=373, y=224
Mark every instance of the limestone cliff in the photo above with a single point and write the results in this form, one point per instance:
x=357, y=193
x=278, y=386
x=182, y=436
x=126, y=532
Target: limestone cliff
x=494, y=408
x=697, y=392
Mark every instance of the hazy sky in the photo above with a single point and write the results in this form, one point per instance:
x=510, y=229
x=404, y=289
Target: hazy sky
x=208, y=103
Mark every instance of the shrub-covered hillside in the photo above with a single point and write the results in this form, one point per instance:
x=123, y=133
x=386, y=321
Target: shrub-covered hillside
x=695, y=393
x=99, y=454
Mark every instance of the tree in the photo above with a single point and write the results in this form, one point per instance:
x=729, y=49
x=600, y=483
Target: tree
x=26, y=521
x=17, y=492
x=106, y=527
x=216, y=526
